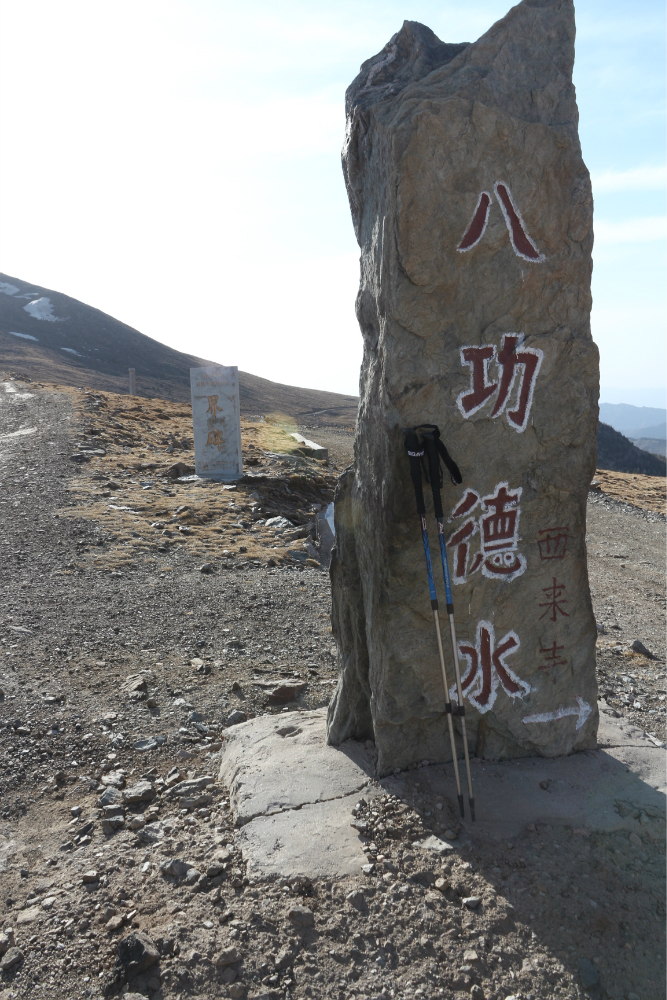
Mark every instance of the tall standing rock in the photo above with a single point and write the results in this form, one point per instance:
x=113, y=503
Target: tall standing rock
x=473, y=209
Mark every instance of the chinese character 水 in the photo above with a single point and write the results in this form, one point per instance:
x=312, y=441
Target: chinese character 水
x=487, y=668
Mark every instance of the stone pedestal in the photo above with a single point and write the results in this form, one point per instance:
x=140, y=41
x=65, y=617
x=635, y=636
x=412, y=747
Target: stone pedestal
x=216, y=423
x=473, y=210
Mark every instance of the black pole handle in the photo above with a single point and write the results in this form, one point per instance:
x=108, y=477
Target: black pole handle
x=415, y=452
x=452, y=467
x=433, y=459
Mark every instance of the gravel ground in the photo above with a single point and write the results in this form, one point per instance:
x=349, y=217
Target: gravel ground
x=121, y=666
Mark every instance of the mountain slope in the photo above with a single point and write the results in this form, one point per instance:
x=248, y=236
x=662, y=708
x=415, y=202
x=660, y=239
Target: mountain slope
x=615, y=452
x=55, y=338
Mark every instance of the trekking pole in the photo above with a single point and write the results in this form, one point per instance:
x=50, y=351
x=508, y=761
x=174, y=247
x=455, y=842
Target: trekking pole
x=415, y=454
x=435, y=450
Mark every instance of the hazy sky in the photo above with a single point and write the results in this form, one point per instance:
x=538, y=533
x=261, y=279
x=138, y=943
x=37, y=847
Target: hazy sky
x=176, y=163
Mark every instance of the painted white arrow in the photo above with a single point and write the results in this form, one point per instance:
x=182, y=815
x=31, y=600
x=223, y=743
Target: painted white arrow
x=583, y=711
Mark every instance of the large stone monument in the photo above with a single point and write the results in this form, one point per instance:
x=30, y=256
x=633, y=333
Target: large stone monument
x=216, y=422
x=473, y=210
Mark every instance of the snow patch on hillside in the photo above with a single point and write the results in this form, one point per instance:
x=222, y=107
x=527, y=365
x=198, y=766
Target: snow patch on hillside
x=26, y=336
x=41, y=309
x=8, y=289
x=71, y=350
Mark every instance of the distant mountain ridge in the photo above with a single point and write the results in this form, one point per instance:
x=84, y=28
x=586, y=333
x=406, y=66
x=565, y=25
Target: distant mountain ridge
x=635, y=421
x=60, y=339
x=617, y=453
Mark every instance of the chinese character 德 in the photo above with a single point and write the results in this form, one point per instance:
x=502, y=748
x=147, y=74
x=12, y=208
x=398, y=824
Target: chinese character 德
x=553, y=543
x=487, y=668
x=498, y=529
x=554, y=600
x=213, y=407
x=511, y=360
x=215, y=438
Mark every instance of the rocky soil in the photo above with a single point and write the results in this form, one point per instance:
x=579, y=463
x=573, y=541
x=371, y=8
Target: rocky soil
x=122, y=665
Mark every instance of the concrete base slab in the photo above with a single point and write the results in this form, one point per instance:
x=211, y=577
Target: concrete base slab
x=280, y=762
x=316, y=840
x=293, y=794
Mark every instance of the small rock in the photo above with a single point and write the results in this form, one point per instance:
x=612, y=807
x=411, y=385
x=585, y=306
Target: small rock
x=436, y=844
x=589, y=975
x=235, y=717
x=136, y=952
x=12, y=957
x=357, y=899
x=477, y=993
x=441, y=884
x=639, y=647
x=28, y=915
x=175, y=868
x=472, y=902
x=301, y=916
x=190, y=788
x=143, y=791
x=110, y=797
x=6, y=941
x=236, y=991
x=228, y=956
x=284, y=959
x=368, y=869
x=154, y=741
x=470, y=955
x=450, y=835
x=206, y=568
x=115, y=923
x=287, y=691
x=90, y=877
x=635, y=839
x=76, y=811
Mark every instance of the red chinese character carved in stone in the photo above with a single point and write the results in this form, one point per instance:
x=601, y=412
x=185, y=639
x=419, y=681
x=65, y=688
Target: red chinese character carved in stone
x=498, y=528
x=512, y=360
x=553, y=543
x=487, y=668
x=554, y=600
x=522, y=244
x=552, y=659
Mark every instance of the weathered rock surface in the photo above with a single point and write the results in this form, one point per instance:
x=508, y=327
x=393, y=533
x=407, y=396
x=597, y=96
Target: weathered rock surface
x=473, y=210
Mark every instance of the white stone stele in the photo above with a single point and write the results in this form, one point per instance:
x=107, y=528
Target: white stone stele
x=216, y=422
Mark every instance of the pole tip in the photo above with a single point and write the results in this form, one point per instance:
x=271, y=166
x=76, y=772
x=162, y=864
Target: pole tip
x=462, y=810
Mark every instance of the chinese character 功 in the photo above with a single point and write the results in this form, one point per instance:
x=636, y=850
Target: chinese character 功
x=553, y=543
x=498, y=528
x=552, y=658
x=488, y=669
x=512, y=358
x=553, y=604
x=213, y=407
x=215, y=438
